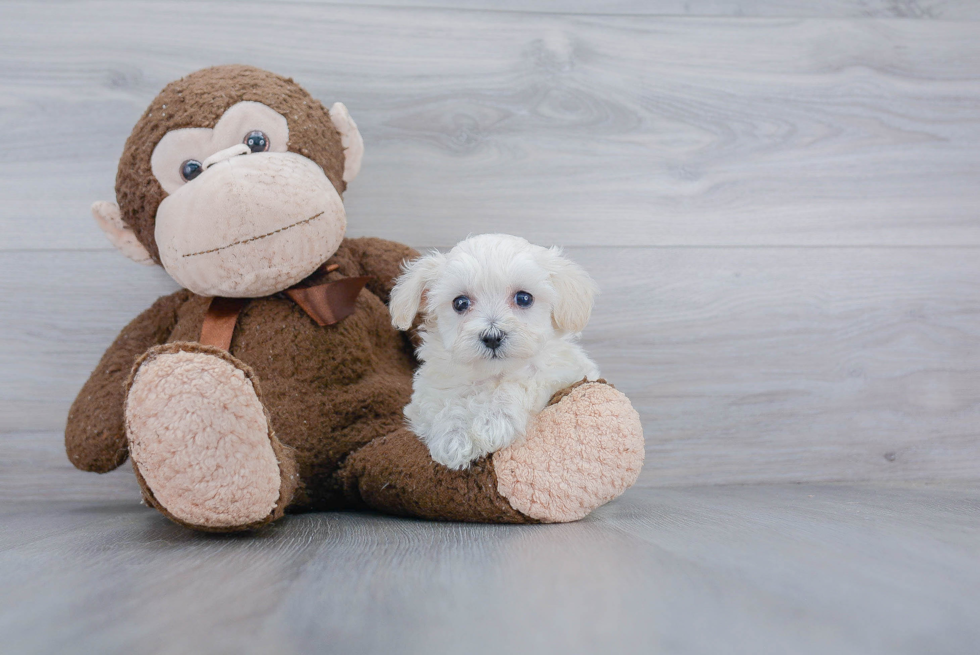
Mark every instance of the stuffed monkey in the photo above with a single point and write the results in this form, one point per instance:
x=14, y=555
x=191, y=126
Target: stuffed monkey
x=274, y=381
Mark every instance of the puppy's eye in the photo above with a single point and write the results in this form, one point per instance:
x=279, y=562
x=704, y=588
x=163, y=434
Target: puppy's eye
x=523, y=299
x=190, y=169
x=461, y=304
x=257, y=141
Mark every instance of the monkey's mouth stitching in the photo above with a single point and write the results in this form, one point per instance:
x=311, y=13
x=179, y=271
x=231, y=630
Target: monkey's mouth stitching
x=261, y=236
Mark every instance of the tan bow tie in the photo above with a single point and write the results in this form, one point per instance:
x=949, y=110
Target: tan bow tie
x=326, y=303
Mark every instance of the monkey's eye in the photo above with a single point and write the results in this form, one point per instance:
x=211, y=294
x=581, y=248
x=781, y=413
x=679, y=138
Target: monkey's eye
x=190, y=169
x=523, y=299
x=257, y=141
x=461, y=304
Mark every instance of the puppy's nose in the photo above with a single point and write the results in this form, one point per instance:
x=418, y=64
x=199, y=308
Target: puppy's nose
x=492, y=339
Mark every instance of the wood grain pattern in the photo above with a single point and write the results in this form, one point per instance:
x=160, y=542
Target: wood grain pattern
x=751, y=365
x=712, y=147
x=598, y=130
x=914, y=9
x=746, y=365
x=768, y=569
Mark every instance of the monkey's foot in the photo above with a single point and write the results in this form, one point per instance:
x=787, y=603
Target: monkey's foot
x=580, y=452
x=201, y=443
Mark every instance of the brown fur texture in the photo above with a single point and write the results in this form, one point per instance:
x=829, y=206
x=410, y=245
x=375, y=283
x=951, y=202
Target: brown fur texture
x=199, y=100
x=396, y=474
x=95, y=435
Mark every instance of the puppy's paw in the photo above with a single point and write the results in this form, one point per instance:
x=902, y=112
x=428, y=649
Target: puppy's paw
x=453, y=449
x=496, y=429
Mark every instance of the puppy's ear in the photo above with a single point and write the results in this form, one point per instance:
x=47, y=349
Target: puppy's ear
x=576, y=291
x=406, y=297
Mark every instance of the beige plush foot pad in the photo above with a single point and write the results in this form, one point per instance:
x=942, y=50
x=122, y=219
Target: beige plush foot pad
x=199, y=437
x=578, y=454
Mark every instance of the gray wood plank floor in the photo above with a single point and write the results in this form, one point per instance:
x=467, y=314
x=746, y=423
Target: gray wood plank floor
x=890, y=569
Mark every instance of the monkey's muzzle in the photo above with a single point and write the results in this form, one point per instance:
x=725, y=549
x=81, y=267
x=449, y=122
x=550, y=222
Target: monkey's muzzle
x=250, y=226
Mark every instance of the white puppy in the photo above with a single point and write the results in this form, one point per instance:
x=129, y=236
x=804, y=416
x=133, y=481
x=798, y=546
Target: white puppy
x=501, y=321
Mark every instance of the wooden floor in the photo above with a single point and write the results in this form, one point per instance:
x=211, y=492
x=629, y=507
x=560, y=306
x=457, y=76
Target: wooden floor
x=814, y=568
x=781, y=203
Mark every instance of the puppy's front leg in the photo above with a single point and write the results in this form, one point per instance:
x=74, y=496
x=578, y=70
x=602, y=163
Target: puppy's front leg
x=502, y=421
x=448, y=438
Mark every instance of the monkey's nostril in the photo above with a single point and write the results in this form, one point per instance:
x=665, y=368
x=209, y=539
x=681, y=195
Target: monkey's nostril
x=492, y=340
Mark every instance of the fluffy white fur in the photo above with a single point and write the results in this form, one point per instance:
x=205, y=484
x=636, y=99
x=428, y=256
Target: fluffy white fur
x=470, y=400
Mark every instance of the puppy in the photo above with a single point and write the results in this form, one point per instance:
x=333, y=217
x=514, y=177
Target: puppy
x=501, y=321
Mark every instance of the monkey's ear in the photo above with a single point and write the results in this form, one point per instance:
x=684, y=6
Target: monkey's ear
x=109, y=218
x=351, y=139
x=406, y=297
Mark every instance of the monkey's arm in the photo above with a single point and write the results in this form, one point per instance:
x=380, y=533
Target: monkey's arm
x=380, y=259
x=95, y=436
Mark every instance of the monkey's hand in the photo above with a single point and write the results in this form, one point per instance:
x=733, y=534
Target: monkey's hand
x=95, y=436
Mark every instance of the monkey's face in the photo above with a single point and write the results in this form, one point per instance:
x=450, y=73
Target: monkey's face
x=232, y=180
x=243, y=217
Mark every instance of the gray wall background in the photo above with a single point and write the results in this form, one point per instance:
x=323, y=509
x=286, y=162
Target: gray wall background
x=778, y=199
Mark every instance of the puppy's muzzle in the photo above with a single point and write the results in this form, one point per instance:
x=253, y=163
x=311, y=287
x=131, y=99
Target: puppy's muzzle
x=492, y=339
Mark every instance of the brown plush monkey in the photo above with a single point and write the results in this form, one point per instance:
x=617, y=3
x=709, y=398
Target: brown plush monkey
x=274, y=381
